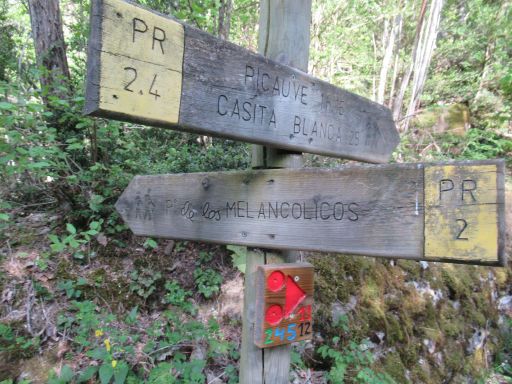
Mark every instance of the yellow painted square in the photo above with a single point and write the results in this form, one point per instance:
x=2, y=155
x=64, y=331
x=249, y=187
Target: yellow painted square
x=461, y=212
x=141, y=63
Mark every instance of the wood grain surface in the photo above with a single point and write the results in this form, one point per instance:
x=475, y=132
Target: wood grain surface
x=363, y=210
x=151, y=69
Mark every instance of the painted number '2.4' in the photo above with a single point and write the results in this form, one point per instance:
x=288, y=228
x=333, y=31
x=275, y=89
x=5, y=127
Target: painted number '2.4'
x=132, y=73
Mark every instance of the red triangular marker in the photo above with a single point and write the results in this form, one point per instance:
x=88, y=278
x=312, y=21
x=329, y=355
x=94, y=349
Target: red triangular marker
x=294, y=296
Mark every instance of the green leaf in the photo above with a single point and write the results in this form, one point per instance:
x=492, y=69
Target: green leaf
x=57, y=247
x=162, y=374
x=87, y=374
x=150, y=243
x=54, y=238
x=39, y=165
x=7, y=106
x=106, y=373
x=74, y=244
x=98, y=353
x=120, y=372
x=132, y=315
x=71, y=228
x=4, y=216
x=95, y=225
x=74, y=146
x=95, y=202
x=239, y=256
x=66, y=374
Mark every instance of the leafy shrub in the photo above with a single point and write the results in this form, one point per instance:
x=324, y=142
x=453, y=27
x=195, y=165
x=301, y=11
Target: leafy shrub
x=207, y=281
x=354, y=358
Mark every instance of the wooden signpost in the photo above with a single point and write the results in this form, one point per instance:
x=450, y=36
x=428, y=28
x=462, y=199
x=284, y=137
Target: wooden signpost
x=149, y=68
x=445, y=212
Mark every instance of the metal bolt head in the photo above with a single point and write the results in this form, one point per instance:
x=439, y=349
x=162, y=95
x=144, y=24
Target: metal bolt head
x=296, y=279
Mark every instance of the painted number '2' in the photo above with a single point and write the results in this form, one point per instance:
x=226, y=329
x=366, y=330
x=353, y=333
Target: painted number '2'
x=463, y=224
x=133, y=72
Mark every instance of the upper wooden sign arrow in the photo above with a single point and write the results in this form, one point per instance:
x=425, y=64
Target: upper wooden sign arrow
x=439, y=212
x=151, y=69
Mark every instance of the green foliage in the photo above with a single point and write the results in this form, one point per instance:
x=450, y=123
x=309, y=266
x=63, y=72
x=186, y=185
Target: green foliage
x=7, y=42
x=15, y=343
x=239, y=256
x=96, y=335
x=72, y=288
x=352, y=357
x=65, y=376
x=471, y=63
x=503, y=363
x=482, y=144
x=144, y=281
x=476, y=144
x=175, y=295
x=77, y=243
x=207, y=281
x=150, y=243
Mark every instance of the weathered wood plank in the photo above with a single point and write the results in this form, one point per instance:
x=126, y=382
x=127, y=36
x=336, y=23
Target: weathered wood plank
x=363, y=210
x=151, y=69
x=251, y=357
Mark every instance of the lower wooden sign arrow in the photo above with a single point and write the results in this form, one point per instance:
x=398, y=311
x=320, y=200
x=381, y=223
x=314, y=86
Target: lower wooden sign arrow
x=450, y=212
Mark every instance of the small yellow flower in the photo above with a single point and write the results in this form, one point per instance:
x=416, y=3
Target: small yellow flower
x=114, y=363
x=98, y=333
x=107, y=344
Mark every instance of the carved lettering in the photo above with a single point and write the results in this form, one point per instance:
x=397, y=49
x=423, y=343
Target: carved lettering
x=265, y=83
x=246, y=110
x=136, y=24
x=445, y=185
x=468, y=186
x=158, y=35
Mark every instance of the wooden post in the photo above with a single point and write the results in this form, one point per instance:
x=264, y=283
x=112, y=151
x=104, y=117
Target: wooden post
x=284, y=37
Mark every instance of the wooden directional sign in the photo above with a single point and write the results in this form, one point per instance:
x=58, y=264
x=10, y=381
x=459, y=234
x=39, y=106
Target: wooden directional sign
x=284, y=301
x=445, y=212
x=148, y=68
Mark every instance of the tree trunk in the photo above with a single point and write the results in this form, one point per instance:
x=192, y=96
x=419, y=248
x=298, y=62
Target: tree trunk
x=225, y=9
x=398, y=20
x=50, y=47
x=397, y=104
x=388, y=43
x=426, y=48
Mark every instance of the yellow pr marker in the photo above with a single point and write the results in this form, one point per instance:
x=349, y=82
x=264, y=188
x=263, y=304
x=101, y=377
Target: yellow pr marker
x=461, y=212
